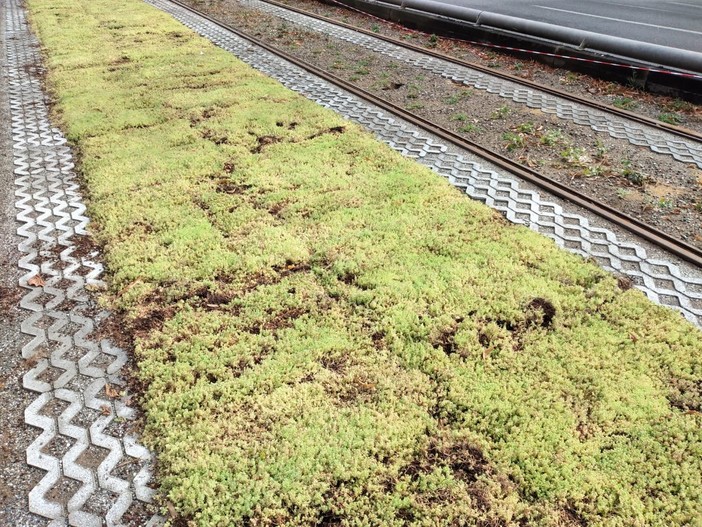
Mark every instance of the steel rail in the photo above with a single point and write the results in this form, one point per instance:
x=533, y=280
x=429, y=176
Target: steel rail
x=678, y=131
x=647, y=232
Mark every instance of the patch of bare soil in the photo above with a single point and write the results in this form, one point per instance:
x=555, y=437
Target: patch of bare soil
x=651, y=187
x=9, y=299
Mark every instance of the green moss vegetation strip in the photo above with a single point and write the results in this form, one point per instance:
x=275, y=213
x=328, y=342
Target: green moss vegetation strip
x=330, y=334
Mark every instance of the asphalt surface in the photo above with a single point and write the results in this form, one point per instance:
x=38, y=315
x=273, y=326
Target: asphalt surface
x=671, y=23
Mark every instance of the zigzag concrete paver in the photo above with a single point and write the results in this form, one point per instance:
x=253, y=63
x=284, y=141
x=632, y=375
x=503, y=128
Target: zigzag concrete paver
x=93, y=469
x=16, y=477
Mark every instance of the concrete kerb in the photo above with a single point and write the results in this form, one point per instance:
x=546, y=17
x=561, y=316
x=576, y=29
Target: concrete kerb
x=688, y=61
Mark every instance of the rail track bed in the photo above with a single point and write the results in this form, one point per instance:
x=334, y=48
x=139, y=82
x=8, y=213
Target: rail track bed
x=506, y=63
x=664, y=266
x=636, y=164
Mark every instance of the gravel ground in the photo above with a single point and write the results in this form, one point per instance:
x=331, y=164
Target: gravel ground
x=16, y=477
x=652, y=187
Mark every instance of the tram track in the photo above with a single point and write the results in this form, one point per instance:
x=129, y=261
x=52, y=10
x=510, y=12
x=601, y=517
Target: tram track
x=662, y=138
x=674, y=157
x=670, y=244
x=678, y=131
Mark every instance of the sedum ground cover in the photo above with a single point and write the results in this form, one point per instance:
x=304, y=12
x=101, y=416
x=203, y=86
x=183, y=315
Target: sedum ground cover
x=328, y=334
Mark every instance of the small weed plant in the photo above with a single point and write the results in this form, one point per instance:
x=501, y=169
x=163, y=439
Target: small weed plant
x=573, y=155
x=571, y=77
x=664, y=203
x=513, y=141
x=470, y=128
x=679, y=105
x=460, y=96
x=526, y=128
x=551, y=138
x=600, y=150
x=595, y=171
x=625, y=103
x=362, y=67
x=632, y=175
x=670, y=118
x=500, y=113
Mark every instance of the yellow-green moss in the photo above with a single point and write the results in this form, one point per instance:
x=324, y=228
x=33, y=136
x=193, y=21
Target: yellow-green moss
x=331, y=333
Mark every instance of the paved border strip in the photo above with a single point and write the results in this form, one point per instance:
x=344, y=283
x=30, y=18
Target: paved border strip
x=96, y=470
x=663, y=282
x=618, y=128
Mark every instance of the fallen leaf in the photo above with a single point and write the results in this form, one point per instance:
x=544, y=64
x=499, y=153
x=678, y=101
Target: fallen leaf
x=105, y=410
x=111, y=392
x=36, y=281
